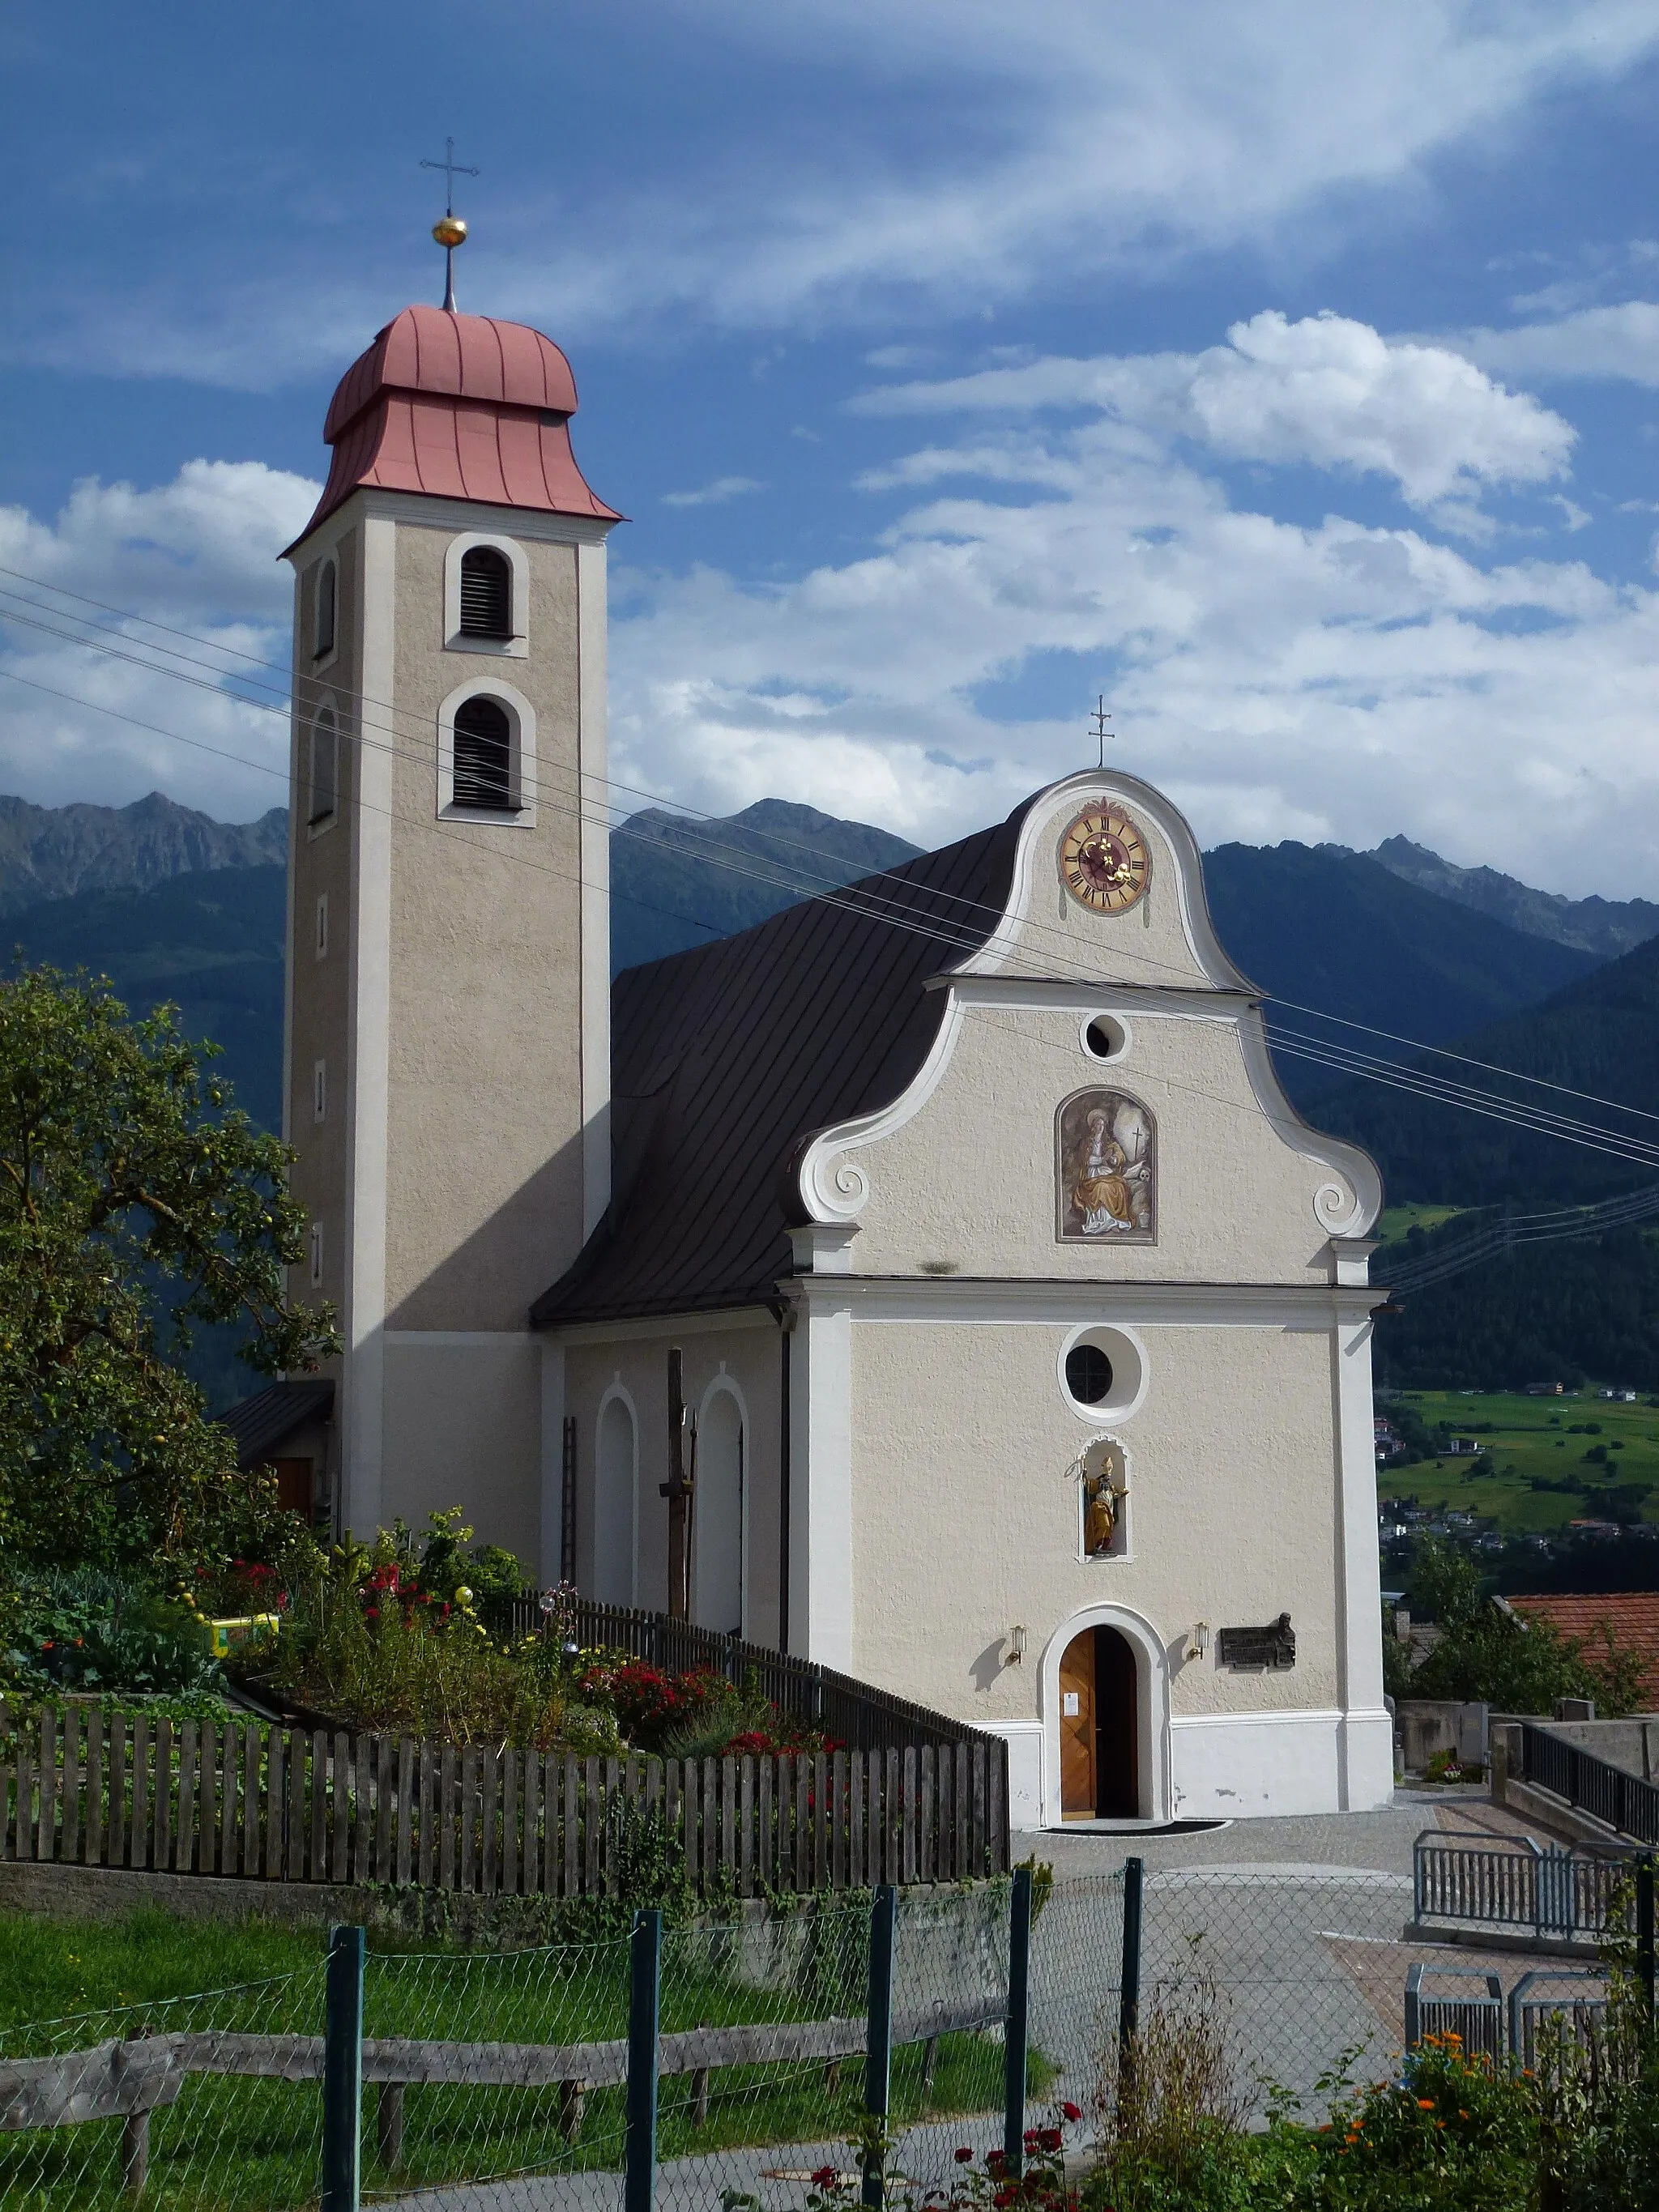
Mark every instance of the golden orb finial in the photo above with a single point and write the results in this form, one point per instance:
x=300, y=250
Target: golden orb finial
x=450, y=231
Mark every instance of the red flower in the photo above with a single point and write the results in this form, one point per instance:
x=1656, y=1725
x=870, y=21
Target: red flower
x=1048, y=2138
x=963, y=2157
x=1071, y=2111
x=824, y=2176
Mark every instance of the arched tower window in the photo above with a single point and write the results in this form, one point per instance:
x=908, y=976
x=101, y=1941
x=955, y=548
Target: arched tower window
x=613, y=1505
x=325, y=768
x=717, y=1526
x=486, y=593
x=328, y=593
x=484, y=754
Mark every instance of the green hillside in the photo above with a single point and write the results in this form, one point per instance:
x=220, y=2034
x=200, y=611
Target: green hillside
x=212, y=942
x=1544, y=1462
x=1338, y=932
x=1600, y=1034
x=676, y=883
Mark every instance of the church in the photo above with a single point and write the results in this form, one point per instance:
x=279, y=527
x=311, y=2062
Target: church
x=1020, y=1324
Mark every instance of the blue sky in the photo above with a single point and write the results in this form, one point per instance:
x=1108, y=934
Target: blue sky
x=1290, y=374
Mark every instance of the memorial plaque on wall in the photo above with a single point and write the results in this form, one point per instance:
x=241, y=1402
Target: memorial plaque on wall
x=1272, y=1646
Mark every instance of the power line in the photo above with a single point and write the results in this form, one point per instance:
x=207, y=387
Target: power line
x=859, y=897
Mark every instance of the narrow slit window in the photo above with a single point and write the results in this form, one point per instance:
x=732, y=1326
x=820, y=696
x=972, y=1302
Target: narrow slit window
x=484, y=755
x=316, y=1256
x=319, y=1092
x=328, y=589
x=486, y=593
x=322, y=924
x=324, y=766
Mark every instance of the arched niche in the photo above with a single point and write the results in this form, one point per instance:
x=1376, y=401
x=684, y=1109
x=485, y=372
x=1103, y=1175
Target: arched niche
x=718, y=1592
x=615, y=1487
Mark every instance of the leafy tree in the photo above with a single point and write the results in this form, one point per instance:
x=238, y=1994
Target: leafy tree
x=134, y=1202
x=1489, y=1654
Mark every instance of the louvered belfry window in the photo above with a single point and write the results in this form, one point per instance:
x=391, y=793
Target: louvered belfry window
x=484, y=755
x=486, y=593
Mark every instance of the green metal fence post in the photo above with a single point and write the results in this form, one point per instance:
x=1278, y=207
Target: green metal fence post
x=879, y=2040
x=343, y=2070
x=644, y=2001
x=1019, y=1995
x=1128, y=2011
x=1645, y=1933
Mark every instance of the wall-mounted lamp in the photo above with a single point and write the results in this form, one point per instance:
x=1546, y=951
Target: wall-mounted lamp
x=1015, y=1644
x=1200, y=1642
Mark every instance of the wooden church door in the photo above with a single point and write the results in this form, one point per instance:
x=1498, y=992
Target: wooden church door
x=1078, y=1788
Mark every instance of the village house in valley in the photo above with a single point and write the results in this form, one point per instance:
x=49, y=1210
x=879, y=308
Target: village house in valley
x=1023, y=1326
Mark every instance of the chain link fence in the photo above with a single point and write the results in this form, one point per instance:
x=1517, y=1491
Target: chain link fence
x=149, y=2104
x=496, y=2080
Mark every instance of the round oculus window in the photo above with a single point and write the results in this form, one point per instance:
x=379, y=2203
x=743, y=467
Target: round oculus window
x=1088, y=1374
x=1104, y=1038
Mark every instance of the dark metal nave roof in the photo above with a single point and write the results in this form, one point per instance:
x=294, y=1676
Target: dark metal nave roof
x=725, y=1058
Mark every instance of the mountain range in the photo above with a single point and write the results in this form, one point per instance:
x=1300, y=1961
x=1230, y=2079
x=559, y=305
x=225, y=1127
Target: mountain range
x=52, y=852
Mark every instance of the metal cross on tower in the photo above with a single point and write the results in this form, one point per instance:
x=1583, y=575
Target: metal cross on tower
x=1098, y=720
x=450, y=232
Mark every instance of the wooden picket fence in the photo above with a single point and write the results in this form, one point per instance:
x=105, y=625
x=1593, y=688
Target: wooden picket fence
x=219, y=1798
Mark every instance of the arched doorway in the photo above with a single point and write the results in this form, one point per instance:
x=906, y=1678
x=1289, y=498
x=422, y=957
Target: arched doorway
x=1099, y=1728
x=717, y=1518
x=615, y=1477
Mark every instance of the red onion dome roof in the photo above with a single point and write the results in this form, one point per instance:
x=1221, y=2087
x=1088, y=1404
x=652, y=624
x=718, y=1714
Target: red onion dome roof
x=457, y=407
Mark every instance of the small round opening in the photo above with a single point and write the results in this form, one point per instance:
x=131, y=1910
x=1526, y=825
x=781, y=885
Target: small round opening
x=1088, y=1374
x=1103, y=1038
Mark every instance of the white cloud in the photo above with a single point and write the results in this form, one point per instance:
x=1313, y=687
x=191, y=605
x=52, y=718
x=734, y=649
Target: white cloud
x=199, y=555
x=1327, y=390
x=716, y=494
x=1341, y=681
x=1618, y=342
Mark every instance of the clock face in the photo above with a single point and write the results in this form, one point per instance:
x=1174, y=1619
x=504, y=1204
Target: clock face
x=1103, y=860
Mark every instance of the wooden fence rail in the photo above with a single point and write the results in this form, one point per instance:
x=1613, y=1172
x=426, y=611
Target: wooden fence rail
x=128, y=2080
x=279, y=1804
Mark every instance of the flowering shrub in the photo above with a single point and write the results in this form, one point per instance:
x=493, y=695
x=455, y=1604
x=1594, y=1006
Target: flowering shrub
x=692, y=1716
x=83, y=1630
x=1451, y=2131
x=979, y=2184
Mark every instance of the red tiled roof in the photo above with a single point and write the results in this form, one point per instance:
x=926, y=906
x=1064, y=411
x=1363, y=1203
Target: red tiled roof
x=1632, y=1615
x=458, y=407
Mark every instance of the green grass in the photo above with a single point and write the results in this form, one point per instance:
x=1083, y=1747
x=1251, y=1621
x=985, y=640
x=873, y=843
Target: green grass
x=249, y=2144
x=1395, y=1221
x=1527, y=1440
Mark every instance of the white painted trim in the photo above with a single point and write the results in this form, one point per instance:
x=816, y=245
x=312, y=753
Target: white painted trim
x=1276, y=1765
x=522, y=767
x=451, y=1339
x=295, y=723
x=1107, y=1408
x=1121, y=1022
x=369, y=923
x=1024, y=1742
x=824, y=1248
x=427, y=509
x=618, y=1392
x=727, y=1385
x=1147, y=804
x=517, y=647
x=552, y=1462
x=664, y=1328
x=592, y=768
x=1358, y=1572
x=1152, y=1689
x=834, y=1188
x=1044, y=1303
x=821, y=1483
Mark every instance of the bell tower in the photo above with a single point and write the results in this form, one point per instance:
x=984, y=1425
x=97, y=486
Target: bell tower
x=447, y=1040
